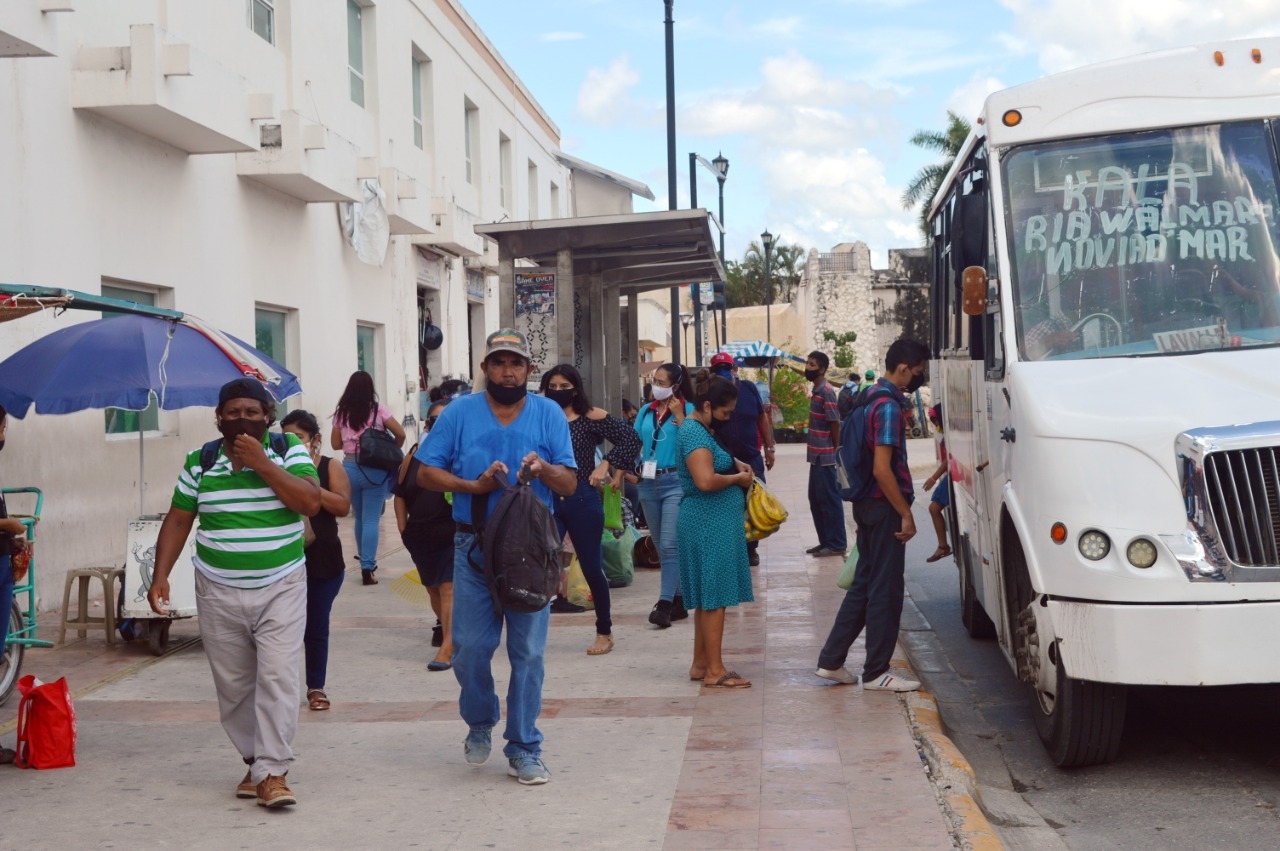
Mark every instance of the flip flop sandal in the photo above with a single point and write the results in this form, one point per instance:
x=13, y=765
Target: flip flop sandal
x=317, y=700
x=723, y=682
x=938, y=554
x=593, y=651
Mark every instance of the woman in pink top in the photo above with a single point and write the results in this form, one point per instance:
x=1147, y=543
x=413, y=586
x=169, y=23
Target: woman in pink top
x=357, y=410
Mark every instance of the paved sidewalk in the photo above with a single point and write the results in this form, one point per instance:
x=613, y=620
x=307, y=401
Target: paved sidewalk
x=640, y=756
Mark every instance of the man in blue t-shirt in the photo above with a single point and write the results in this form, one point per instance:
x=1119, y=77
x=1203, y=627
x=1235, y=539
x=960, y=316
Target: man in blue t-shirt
x=749, y=428
x=502, y=429
x=885, y=524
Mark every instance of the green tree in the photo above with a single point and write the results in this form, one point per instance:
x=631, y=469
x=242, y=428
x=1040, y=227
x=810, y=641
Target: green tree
x=843, y=356
x=745, y=278
x=925, y=184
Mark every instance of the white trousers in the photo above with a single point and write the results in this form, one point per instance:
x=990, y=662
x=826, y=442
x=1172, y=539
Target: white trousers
x=253, y=641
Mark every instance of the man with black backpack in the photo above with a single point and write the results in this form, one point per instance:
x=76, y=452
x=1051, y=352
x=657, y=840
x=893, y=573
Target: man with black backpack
x=881, y=491
x=478, y=442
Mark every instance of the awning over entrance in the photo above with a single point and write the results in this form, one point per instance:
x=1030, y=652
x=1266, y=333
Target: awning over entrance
x=568, y=300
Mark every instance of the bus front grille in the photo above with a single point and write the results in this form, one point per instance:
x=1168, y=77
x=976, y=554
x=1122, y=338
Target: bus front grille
x=1243, y=494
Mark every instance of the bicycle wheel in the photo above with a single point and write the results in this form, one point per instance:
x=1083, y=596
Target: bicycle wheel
x=11, y=660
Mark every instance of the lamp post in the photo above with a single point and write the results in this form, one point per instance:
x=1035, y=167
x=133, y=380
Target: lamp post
x=720, y=168
x=669, y=28
x=766, y=239
x=721, y=164
x=686, y=319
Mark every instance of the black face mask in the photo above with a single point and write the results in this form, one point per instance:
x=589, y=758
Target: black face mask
x=717, y=425
x=917, y=381
x=561, y=397
x=507, y=395
x=812, y=374
x=233, y=428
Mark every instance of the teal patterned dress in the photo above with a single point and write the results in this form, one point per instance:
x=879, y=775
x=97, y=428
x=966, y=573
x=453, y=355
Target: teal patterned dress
x=714, y=572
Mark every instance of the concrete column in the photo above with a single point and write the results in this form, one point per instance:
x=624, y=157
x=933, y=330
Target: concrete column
x=613, y=338
x=631, y=349
x=506, y=287
x=594, y=329
x=564, y=305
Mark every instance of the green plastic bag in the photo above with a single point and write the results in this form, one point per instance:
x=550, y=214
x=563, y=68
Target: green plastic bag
x=619, y=566
x=612, y=508
x=850, y=568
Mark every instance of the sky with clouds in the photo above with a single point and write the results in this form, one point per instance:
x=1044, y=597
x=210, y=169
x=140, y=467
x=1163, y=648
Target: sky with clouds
x=813, y=101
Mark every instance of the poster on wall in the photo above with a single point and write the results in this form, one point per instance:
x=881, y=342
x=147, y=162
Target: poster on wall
x=536, y=293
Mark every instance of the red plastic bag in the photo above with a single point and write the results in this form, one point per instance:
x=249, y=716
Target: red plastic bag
x=46, y=725
x=20, y=560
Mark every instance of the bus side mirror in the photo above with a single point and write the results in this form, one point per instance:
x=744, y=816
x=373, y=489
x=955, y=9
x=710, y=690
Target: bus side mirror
x=974, y=284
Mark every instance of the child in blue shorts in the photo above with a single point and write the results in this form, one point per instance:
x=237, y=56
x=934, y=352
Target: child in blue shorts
x=941, y=498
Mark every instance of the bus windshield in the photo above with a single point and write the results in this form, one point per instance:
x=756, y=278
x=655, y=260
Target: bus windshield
x=1152, y=243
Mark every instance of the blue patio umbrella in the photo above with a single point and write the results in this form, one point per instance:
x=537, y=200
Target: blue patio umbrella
x=757, y=353
x=120, y=362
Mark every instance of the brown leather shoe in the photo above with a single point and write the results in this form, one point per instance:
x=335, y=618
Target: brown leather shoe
x=274, y=792
x=247, y=788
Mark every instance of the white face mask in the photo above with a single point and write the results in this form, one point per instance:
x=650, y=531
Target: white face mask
x=662, y=394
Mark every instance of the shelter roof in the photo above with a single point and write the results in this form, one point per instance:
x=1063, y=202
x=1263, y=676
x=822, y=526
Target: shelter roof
x=633, y=251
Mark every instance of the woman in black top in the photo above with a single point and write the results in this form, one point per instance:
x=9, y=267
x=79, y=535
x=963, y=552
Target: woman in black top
x=582, y=514
x=325, y=570
x=426, y=526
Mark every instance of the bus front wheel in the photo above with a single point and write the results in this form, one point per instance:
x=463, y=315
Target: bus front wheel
x=1080, y=724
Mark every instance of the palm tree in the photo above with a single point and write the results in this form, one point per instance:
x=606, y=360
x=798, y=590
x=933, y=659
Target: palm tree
x=925, y=184
x=745, y=281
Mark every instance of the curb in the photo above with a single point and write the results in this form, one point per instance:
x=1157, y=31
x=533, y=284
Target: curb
x=956, y=783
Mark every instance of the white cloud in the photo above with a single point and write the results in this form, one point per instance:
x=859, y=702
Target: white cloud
x=966, y=100
x=779, y=28
x=605, y=97
x=562, y=36
x=1070, y=33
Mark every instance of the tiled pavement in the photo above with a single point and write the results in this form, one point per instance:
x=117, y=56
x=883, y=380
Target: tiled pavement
x=640, y=756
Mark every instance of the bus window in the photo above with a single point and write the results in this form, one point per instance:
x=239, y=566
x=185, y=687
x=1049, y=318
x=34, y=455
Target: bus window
x=1147, y=243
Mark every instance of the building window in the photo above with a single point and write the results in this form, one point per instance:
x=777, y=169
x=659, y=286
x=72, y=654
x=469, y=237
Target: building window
x=355, y=50
x=119, y=420
x=533, y=190
x=470, y=134
x=417, y=102
x=367, y=350
x=269, y=335
x=504, y=171
x=262, y=19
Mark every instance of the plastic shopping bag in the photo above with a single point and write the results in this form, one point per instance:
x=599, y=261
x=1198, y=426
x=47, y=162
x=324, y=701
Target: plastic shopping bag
x=850, y=568
x=612, y=508
x=577, y=591
x=46, y=725
x=619, y=564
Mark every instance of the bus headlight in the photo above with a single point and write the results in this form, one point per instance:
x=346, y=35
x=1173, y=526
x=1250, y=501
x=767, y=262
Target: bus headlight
x=1094, y=545
x=1141, y=553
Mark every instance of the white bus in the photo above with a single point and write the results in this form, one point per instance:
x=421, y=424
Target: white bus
x=1106, y=318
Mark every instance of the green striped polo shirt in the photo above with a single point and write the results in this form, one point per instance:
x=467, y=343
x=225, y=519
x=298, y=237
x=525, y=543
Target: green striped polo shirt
x=247, y=537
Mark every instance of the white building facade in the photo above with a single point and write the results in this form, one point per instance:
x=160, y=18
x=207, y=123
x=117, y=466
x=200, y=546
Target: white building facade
x=199, y=156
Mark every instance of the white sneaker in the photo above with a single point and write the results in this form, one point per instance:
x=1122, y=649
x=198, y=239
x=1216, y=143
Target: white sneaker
x=890, y=682
x=839, y=675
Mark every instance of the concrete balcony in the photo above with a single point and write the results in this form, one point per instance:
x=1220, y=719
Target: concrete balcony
x=307, y=160
x=169, y=91
x=454, y=229
x=27, y=27
x=407, y=212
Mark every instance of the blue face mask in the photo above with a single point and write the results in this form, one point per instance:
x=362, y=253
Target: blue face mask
x=723, y=372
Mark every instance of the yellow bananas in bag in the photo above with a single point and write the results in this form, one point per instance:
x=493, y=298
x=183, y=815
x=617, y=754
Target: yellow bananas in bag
x=764, y=512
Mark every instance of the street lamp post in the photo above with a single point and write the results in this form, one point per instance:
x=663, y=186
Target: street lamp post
x=766, y=239
x=720, y=168
x=686, y=319
x=721, y=163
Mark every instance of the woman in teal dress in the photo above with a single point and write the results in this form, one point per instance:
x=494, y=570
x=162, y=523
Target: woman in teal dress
x=714, y=571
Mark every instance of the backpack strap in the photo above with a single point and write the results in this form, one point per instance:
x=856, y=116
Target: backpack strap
x=209, y=452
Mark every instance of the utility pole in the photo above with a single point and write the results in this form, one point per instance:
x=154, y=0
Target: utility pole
x=671, y=164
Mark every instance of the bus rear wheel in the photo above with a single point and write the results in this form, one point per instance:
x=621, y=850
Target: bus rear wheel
x=1082, y=722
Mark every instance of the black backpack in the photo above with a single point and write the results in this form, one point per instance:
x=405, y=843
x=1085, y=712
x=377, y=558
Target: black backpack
x=519, y=548
x=209, y=452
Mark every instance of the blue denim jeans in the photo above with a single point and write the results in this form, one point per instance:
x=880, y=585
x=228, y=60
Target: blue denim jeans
x=368, y=493
x=315, y=641
x=582, y=515
x=661, y=500
x=6, y=598
x=827, y=510
x=874, y=601
x=477, y=630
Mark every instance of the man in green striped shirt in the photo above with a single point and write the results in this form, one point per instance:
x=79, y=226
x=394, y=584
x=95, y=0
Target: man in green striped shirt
x=251, y=585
